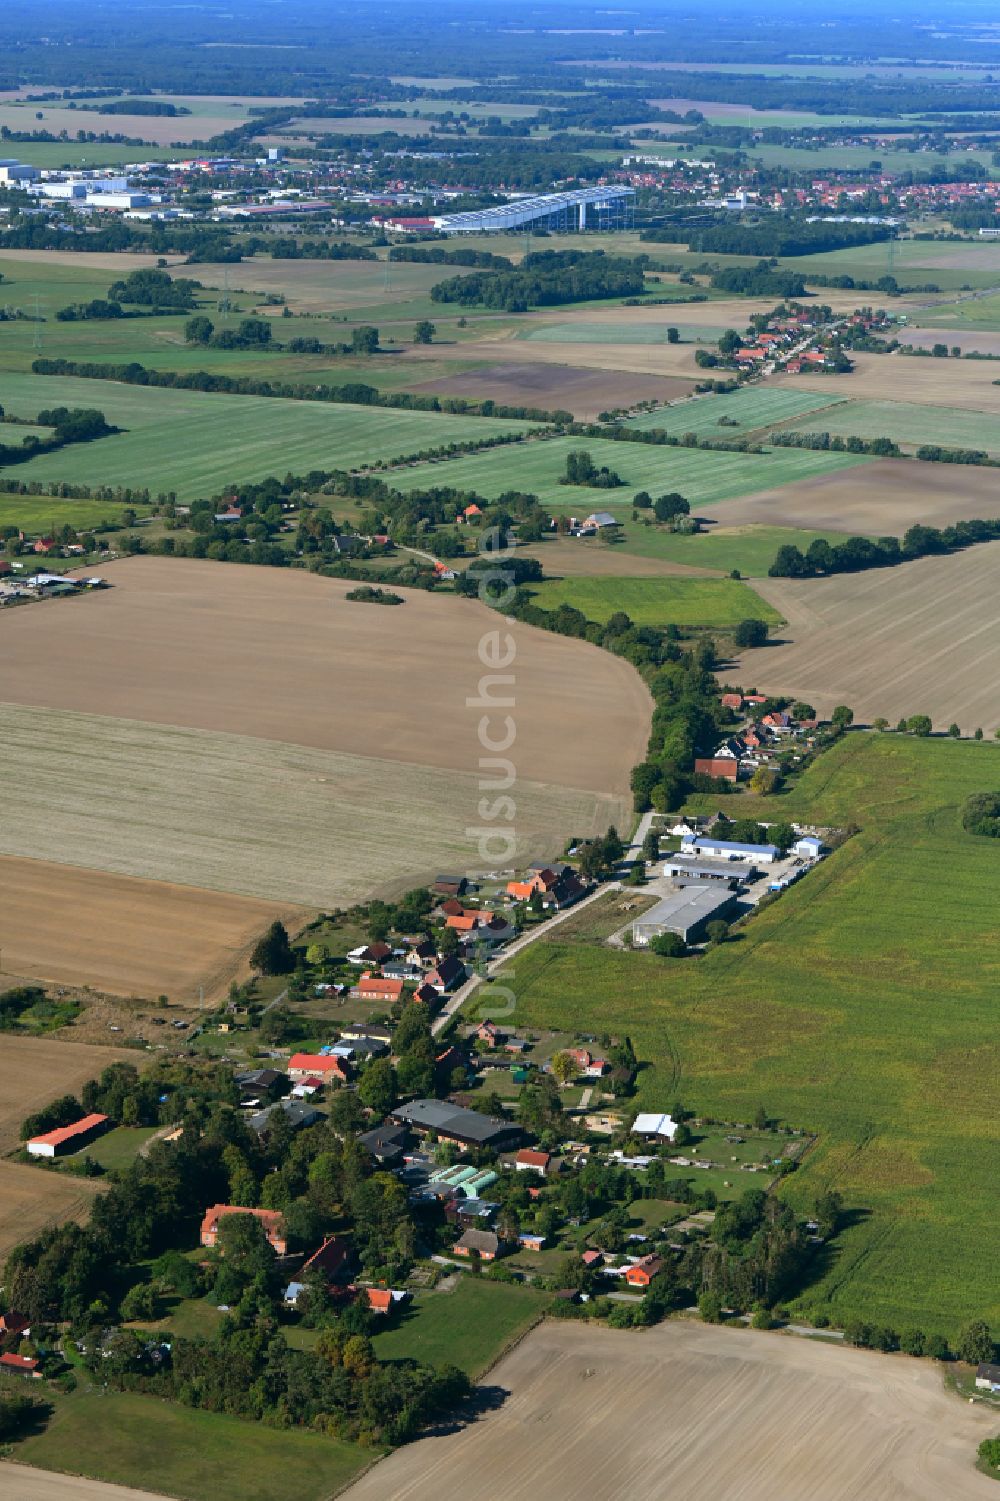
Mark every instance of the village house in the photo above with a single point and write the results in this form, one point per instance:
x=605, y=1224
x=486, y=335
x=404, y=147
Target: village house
x=378, y=988
x=446, y=975
x=271, y=1219
x=528, y=1160
x=325, y=1066
x=717, y=766
x=484, y=1243
x=21, y=1365
x=642, y=1272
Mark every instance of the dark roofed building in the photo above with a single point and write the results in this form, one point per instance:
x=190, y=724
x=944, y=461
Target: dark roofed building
x=386, y=1143
x=450, y=885
x=454, y=1123
x=297, y=1114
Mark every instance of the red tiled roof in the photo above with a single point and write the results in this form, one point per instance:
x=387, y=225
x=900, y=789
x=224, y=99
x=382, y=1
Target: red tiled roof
x=66, y=1133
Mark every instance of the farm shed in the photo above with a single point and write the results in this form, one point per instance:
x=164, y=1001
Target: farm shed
x=67, y=1138
x=725, y=849
x=686, y=912
x=683, y=868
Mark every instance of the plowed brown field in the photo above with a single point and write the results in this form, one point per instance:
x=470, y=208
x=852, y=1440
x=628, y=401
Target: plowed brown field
x=70, y=926
x=923, y=638
x=884, y=497
x=692, y=1413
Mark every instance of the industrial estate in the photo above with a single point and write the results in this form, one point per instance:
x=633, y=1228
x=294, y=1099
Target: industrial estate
x=501, y=740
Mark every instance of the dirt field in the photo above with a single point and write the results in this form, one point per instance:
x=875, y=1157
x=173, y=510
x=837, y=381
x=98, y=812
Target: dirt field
x=585, y=393
x=956, y=383
x=281, y=655
x=71, y=926
x=157, y=130
x=64, y=1067
x=883, y=497
x=923, y=638
x=19, y=1483
x=966, y=338
x=249, y=731
x=690, y=1412
x=31, y=1200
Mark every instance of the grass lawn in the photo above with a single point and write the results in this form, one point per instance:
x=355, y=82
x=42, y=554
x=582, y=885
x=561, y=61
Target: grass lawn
x=751, y=549
x=701, y=475
x=657, y=601
x=118, y=1147
x=195, y=443
x=198, y=1456
x=468, y=1327
x=907, y=422
x=970, y=315
x=35, y=513
x=861, y=1006
x=737, y=411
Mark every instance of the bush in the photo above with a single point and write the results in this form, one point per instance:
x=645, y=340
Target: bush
x=710, y=1308
x=668, y=945
x=750, y=633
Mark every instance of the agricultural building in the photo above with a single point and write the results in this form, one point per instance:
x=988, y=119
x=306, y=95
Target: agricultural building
x=67, y=1138
x=724, y=849
x=686, y=912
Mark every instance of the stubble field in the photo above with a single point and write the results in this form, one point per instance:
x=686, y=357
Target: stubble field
x=689, y=1412
x=923, y=638
x=73, y=925
x=249, y=731
x=31, y=1198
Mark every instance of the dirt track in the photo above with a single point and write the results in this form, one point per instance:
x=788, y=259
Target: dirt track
x=693, y=1413
x=923, y=638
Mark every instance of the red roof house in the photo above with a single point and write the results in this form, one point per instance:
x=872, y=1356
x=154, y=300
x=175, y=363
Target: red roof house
x=717, y=766
x=323, y=1066
x=21, y=1365
x=375, y=988
x=271, y=1219
x=643, y=1272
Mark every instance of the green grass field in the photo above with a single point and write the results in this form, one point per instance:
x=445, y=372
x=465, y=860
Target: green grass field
x=751, y=549
x=915, y=262
x=737, y=412
x=971, y=315
x=118, y=1147
x=197, y=1456
x=860, y=1005
x=40, y=513
x=700, y=475
x=908, y=422
x=195, y=443
x=655, y=601
x=468, y=1327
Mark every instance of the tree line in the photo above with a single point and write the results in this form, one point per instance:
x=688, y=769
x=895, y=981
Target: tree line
x=546, y=279
x=857, y=553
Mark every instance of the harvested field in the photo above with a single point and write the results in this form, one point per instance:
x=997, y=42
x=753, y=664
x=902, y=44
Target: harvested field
x=281, y=655
x=70, y=926
x=580, y=352
x=268, y=819
x=22, y=1483
x=585, y=393
x=692, y=1412
x=324, y=285
x=64, y=1066
x=249, y=730
x=956, y=383
x=885, y=496
x=32, y=1199
x=923, y=638
x=966, y=337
